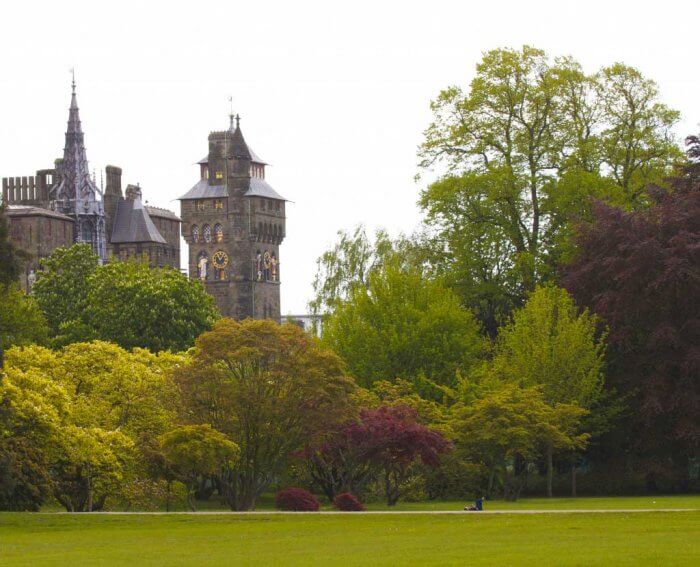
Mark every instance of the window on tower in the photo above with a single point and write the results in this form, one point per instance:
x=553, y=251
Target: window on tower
x=199, y=205
x=195, y=233
x=218, y=233
x=206, y=232
x=218, y=205
x=219, y=175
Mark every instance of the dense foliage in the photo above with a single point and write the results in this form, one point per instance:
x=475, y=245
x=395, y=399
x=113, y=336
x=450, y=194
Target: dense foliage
x=91, y=413
x=127, y=303
x=541, y=327
x=296, y=500
x=402, y=324
x=519, y=154
x=347, y=502
x=269, y=388
x=640, y=272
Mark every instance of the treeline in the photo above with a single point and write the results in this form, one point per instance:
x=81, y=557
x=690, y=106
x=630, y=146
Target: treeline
x=557, y=263
x=537, y=334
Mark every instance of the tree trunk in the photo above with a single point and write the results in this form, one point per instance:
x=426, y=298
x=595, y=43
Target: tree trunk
x=191, y=490
x=168, y=486
x=492, y=477
x=89, y=487
x=550, y=471
x=573, y=477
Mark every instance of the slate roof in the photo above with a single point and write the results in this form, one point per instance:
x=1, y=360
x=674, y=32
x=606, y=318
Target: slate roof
x=261, y=188
x=255, y=158
x=162, y=213
x=202, y=190
x=30, y=211
x=132, y=223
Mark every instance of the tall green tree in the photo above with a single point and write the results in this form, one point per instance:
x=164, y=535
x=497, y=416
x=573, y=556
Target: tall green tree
x=61, y=288
x=506, y=426
x=519, y=154
x=403, y=325
x=134, y=305
x=127, y=303
x=553, y=345
x=271, y=389
x=346, y=265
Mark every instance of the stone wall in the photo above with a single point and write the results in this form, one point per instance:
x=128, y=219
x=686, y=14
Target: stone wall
x=38, y=232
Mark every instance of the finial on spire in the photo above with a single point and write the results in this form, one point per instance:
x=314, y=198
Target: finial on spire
x=238, y=120
x=230, y=113
x=72, y=72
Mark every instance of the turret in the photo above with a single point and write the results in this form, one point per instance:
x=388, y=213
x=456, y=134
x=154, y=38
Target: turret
x=113, y=192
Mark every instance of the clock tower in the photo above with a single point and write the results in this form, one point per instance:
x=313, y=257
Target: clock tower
x=234, y=222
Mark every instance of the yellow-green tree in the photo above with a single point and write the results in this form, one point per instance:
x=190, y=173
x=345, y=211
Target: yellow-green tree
x=402, y=324
x=32, y=409
x=557, y=347
x=193, y=451
x=505, y=428
x=270, y=389
x=519, y=153
x=114, y=406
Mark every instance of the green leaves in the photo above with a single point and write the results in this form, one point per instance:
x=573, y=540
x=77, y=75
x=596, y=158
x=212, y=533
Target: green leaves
x=61, y=289
x=517, y=159
x=403, y=325
x=127, y=303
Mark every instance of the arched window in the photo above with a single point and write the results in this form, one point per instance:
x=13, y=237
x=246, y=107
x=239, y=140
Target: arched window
x=218, y=233
x=206, y=233
x=195, y=233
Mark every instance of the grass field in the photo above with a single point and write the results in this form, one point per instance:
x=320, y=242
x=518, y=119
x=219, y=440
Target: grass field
x=654, y=538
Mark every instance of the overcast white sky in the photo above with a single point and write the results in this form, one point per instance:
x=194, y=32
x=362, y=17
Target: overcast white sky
x=333, y=94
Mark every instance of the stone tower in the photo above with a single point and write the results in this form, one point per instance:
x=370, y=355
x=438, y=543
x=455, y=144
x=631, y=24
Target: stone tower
x=234, y=223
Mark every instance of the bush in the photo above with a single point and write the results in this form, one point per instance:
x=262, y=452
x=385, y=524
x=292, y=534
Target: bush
x=347, y=502
x=296, y=500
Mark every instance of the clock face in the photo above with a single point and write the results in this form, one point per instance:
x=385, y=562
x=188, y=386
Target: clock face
x=220, y=259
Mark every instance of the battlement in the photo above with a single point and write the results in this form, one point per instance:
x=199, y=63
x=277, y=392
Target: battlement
x=28, y=190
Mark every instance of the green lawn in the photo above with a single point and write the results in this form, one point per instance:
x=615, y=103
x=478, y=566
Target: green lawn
x=588, y=503
x=657, y=538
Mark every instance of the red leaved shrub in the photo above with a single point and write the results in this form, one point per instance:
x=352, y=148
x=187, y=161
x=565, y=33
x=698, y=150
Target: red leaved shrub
x=296, y=500
x=348, y=502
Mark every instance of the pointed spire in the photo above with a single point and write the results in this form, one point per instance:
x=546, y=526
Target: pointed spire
x=76, y=194
x=239, y=148
x=76, y=185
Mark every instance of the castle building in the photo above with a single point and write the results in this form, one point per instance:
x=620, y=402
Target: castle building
x=61, y=206
x=234, y=223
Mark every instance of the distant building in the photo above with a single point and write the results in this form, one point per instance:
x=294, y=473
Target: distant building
x=61, y=206
x=234, y=223
x=309, y=322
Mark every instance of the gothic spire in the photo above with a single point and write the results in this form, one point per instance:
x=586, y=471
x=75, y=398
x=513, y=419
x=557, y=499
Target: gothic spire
x=76, y=193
